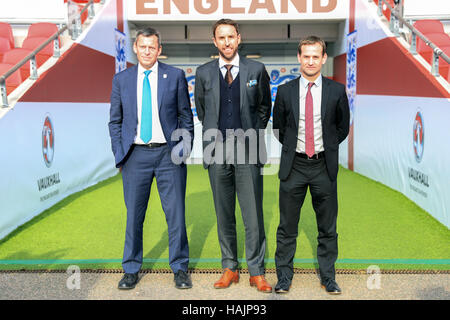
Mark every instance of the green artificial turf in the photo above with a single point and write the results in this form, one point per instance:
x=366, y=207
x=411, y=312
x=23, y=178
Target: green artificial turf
x=376, y=226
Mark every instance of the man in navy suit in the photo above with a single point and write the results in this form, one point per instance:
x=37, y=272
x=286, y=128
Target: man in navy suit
x=151, y=128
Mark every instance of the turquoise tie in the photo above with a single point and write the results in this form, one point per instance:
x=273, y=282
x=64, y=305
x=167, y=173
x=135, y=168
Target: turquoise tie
x=146, y=115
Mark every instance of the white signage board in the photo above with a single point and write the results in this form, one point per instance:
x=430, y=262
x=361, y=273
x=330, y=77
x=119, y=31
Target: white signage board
x=421, y=8
x=404, y=143
x=50, y=151
x=32, y=10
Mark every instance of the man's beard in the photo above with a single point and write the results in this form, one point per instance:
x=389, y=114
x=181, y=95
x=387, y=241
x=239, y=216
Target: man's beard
x=222, y=54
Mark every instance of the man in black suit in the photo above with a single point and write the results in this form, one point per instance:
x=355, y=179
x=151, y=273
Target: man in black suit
x=310, y=119
x=232, y=94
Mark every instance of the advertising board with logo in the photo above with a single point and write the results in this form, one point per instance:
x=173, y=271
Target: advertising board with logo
x=49, y=151
x=404, y=143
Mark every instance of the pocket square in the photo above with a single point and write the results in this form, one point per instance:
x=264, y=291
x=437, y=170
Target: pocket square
x=252, y=83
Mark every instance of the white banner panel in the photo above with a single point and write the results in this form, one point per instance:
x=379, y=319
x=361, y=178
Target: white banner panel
x=32, y=10
x=404, y=142
x=431, y=8
x=368, y=24
x=101, y=34
x=121, y=58
x=49, y=151
x=351, y=72
x=211, y=10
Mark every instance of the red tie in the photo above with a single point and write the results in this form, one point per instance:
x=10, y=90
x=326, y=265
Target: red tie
x=309, y=123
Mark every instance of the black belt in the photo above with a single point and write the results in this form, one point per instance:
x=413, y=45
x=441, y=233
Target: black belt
x=152, y=145
x=316, y=156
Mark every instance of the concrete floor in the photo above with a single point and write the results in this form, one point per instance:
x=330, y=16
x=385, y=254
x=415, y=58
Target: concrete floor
x=160, y=286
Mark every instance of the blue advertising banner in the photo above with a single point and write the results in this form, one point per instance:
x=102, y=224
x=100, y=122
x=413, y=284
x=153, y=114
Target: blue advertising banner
x=121, y=59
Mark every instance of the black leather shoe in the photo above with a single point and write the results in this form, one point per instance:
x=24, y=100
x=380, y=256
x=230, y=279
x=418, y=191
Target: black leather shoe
x=331, y=286
x=283, y=285
x=128, y=281
x=182, y=280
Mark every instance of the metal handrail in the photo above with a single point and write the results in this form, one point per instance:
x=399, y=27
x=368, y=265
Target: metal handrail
x=32, y=56
x=437, y=52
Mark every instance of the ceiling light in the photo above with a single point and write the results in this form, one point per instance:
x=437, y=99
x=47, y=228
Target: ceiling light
x=253, y=56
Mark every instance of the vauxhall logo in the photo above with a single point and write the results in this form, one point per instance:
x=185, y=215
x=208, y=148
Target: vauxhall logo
x=48, y=152
x=418, y=142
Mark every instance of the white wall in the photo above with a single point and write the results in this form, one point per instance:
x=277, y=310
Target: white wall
x=28, y=11
x=415, y=9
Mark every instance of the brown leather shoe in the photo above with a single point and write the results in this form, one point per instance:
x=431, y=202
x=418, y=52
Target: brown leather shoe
x=260, y=283
x=227, y=278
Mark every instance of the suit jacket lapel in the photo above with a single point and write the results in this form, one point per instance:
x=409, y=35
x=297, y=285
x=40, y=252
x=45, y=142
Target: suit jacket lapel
x=215, y=74
x=295, y=101
x=243, y=74
x=133, y=91
x=325, y=95
x=162, y=77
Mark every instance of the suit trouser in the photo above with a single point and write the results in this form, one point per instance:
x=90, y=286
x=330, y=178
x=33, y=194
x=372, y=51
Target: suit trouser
x=142, y=166
x=244, y=180
x=313, y=174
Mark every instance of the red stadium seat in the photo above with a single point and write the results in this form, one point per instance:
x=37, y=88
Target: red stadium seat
x=5, y=46
x=448, y=75
x=386, y=12
x=81, y=4
x=42, y=29
x=14, y=80
x=44, y=54
x=84, y=15
x=14, y=56
x=37, y=34
x=439, y=39
x=33, y=43
x=427, y=26
x=443, y=65
x=6, y=32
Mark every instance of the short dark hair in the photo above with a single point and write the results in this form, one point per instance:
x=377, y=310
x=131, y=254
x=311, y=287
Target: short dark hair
x=227, y=22
x=148, y=32
x=312, y=40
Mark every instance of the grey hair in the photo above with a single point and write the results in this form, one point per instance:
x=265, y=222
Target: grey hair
x=148, y=32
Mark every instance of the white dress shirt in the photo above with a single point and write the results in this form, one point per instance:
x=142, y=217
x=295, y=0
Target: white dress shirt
x=157, y=132
x=316, y=92
x=234, y=62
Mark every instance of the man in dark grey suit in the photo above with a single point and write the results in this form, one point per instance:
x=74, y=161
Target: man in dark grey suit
x=311, y=119
x=232, y=97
